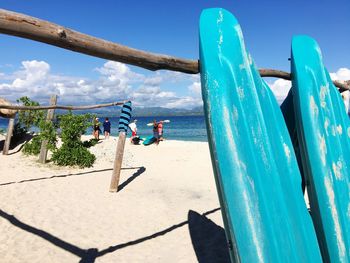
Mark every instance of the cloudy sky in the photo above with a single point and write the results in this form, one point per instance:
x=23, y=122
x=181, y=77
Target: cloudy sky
x=38, y=70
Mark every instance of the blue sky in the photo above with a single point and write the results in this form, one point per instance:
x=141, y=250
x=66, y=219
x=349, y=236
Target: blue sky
x=167, y=27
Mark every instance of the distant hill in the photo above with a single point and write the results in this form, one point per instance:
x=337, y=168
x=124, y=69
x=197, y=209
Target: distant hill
x=143, y=111
x=159, y=111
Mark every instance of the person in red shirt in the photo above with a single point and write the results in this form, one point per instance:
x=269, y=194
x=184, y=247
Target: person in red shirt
x=133, y=128
x=160, y=131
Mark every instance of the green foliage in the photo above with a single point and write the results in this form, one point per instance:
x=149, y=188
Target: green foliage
x=48, y=133
x=29, y=118
x=32, y=147
x=90, y=143
x=67, y=156
x=72, y=151
x=73, y=126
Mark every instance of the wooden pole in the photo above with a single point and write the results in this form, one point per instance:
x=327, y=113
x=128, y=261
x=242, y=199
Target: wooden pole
x=49, y=117
x=118, y=162
x=5, y=151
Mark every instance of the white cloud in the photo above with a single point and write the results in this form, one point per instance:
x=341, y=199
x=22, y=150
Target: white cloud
x=185, y=102
x=175, y=77
x=280, y=88
x=341, y=74
x=33, y=74
x=118, y=72
x=195, y=88
x=153, y=81
x=116, y=82
x=152, y=97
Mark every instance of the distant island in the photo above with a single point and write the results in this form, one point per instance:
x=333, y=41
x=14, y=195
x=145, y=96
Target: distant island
x=144, y=111
x=160, y=111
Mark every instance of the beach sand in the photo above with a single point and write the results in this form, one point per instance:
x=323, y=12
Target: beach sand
x=166, y=209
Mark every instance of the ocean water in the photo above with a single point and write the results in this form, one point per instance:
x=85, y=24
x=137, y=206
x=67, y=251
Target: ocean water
x=185, y=128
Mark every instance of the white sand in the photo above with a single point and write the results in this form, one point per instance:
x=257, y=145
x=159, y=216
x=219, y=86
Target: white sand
x=54, y=214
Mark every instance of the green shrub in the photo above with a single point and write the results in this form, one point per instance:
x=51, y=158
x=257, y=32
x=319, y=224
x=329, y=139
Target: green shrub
x=48, y=133
x=72, y=151
x=26, y=119
x=29, y=118
x=73, y=126
x=33, y=146
x=67, y=156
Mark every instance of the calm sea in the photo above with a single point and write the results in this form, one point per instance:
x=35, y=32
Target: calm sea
x=185, y=128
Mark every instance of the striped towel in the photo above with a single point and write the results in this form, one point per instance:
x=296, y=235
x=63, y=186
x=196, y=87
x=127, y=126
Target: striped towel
x=125, y=117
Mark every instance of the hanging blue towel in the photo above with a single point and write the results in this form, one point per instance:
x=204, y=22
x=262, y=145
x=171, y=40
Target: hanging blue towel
x=125, y=117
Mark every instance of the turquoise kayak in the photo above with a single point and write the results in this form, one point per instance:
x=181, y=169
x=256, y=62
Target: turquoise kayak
x=323, y=130
x=255, y=168
x=149, y=140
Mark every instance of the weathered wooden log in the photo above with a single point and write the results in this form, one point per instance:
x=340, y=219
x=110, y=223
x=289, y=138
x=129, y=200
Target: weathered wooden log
x=287, y=76
x=118, y=162
x=15, y=107
x=274, y=73
x=5, y=150
x=6, y=113
x=49, y=117
x=16, y=24
x=342, y=86
x=24, y=26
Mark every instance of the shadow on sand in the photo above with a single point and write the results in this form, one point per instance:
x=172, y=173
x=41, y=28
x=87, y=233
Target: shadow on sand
x=14, y=143
x=131, y=178
x=208, y=239
x=138, y=172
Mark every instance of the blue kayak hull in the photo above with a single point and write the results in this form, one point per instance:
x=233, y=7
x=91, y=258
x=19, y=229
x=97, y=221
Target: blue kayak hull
x=323, y=129
x=256, y=172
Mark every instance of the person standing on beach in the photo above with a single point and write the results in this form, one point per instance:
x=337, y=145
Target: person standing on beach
x=133, y=128
x=160, y=131
x=106, y=128
x=155, y=131
x=96, y=129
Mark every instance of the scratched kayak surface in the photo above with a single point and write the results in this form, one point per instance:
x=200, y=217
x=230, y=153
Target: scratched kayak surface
x=257, y=177
x=323, y=129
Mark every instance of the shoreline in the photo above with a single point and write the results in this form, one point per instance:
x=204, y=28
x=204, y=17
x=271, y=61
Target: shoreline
x=187, y=128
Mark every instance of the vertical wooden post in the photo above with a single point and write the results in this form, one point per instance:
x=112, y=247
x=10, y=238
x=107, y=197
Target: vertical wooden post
x=49, y=117
x=118, y=162
x=5, y=151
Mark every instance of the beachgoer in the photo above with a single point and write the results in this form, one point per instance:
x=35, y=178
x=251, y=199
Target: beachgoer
x=155, y=131
x=96, y=129
x=106, y=128
x=133, y=128
x=160, y=131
